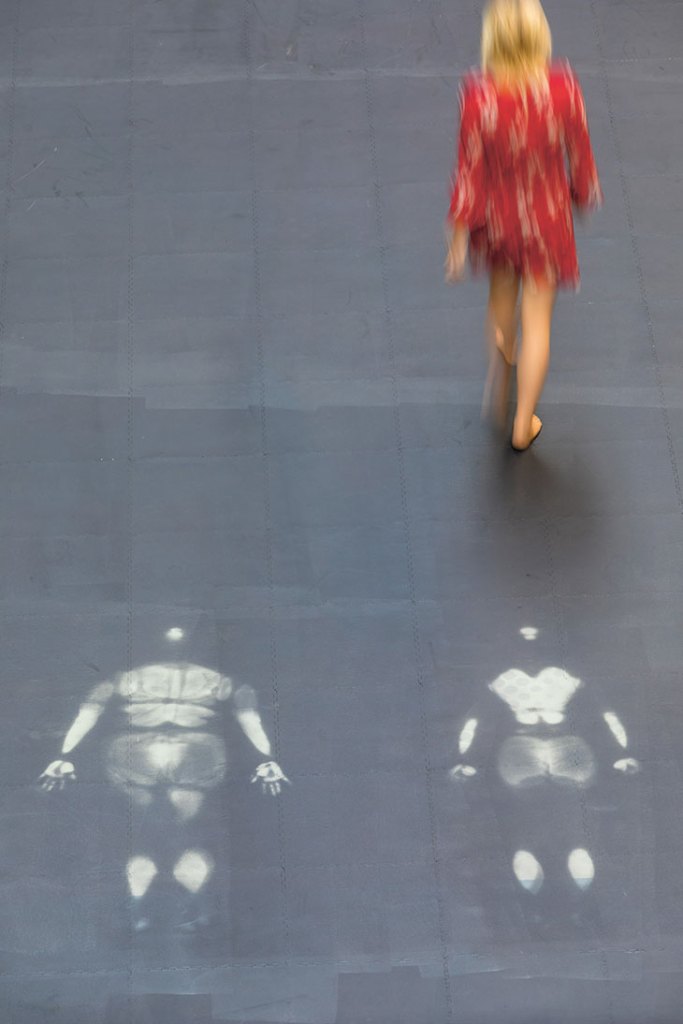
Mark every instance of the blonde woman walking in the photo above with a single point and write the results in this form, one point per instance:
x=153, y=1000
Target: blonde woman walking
x=524, y=161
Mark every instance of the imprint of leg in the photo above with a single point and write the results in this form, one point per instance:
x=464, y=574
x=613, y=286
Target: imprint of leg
x=187, y=802
x=581, y=867
x=140, y=872
x=528, y=871
x=193, y=870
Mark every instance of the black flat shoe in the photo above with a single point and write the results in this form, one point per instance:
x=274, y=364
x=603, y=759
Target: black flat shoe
x=526, y=448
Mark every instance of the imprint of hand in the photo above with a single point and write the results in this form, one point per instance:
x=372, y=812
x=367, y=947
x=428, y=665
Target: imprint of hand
x=462, y=771
x=56, y=775
x=627, y=765
x=271, y=777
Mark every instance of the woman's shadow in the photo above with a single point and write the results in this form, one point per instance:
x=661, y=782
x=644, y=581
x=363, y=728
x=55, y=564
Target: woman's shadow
x=514, y=490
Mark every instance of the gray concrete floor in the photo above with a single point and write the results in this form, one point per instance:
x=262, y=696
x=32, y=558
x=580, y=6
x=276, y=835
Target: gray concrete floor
x=239, y=401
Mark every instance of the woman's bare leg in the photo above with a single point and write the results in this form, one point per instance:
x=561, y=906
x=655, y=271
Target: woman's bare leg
x=538, y=301
x=501, y=323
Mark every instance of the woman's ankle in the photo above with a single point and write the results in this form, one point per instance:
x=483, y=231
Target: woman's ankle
x=524, y=427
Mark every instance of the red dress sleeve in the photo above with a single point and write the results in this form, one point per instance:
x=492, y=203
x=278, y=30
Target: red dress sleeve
x=468, y=198
x=584, y=184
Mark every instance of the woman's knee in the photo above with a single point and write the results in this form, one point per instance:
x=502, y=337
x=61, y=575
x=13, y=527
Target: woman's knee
x=502, y=311
x=539, y=290
x=538, y=302
x=503, y=285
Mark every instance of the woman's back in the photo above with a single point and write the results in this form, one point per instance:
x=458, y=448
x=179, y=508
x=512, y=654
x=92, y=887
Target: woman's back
x=525, y=157
x=527, y=122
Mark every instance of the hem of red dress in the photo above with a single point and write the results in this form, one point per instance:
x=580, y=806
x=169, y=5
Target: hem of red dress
x=483, y=268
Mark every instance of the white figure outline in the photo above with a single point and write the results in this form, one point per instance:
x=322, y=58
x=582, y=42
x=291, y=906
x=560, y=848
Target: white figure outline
x=167, y=750
x=540, y=747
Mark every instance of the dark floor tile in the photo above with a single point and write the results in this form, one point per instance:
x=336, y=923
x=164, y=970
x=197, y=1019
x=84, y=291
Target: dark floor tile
x=311, y=280
x=416, y=99
x=335, y=489
x=607, y=478
x=171, y=15
x=199, y=494
x=74, y=13
x=178, y=285
x=291, y=104
x=312, y=158
x=210, y=433
x=415, y=278
x=307, y=346
x=180, y=363
x=408, y=155
x=645, y=87
x=187, y=54
x=85, y=498
x=649, y=146
x=400, y=994
x=59, y=54
x=452, y=558
x=333, y=751
x=93, y=111
x=42, y=228
x=347, y=647
x=190, y=222
x=324, y=39
x=207, y=162
x=354, y=416
x=66, y=358
x=656, y=257
x=171, y=107
x=636, y=555
x=605, y=341
x=400, y=36
x=655, y=205
x=66, y=428
x=317, y=218
x=638, y=30
x=59, y=289
x=412, y=212
x=207, y=567
x=79, y=168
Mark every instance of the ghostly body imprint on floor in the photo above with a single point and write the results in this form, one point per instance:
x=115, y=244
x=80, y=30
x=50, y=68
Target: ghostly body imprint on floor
x=167, y=749
x=538, y=747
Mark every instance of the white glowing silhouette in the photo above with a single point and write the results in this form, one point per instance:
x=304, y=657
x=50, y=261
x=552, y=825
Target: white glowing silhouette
x=616, y=728
x=528, y=871
x=168, y=749
x=534, y=699
x=581, y=867
x=538, y=747
x=467, y=735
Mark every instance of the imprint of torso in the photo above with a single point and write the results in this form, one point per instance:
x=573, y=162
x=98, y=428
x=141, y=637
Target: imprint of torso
x=525, y=760
x=181, y=696
x=542, y=748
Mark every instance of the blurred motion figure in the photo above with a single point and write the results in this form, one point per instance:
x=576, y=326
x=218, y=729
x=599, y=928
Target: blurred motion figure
x=524, y=160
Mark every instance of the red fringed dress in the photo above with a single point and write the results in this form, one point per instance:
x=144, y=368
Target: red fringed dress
x=523, y=159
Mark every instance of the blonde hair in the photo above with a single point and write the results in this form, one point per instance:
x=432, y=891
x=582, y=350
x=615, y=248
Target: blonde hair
x=516, y=44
